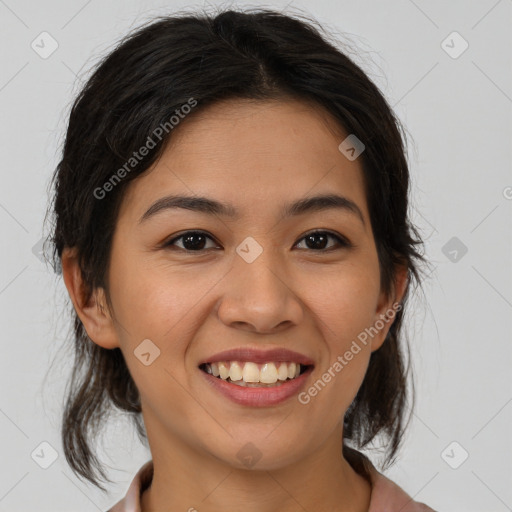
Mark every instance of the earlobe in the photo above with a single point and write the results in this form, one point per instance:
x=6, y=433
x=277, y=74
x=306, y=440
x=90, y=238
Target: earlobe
x=91, y=307
x=388, y=306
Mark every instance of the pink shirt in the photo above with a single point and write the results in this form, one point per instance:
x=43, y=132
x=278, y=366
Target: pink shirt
x=386, y=495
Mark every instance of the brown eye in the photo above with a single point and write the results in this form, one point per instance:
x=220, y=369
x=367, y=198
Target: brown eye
x=318, y=240
x=196, y=241
x=192, y=241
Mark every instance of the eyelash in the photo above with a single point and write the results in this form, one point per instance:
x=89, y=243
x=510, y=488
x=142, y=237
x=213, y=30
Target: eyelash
x=343, y=242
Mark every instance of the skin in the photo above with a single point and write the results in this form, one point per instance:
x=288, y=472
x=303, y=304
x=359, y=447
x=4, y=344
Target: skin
x=256, y=156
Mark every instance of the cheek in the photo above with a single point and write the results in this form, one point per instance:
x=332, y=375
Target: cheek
x=153, y=303
x=152, y=298
x=345, y=302
x=166, y=305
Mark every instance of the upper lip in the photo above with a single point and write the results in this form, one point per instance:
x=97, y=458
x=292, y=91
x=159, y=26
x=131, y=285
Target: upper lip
x=247, y=354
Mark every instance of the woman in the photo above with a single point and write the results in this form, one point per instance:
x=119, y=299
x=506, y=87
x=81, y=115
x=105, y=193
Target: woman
x=231, y=221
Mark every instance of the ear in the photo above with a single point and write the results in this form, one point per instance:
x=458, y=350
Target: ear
x=388, y=306
x=93, y=311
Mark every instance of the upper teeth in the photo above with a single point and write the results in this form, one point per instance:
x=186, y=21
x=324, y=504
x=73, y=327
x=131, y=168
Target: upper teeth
x=267, y=373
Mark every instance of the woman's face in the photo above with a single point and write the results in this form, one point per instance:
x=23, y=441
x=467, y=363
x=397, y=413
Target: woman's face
x=252, y=280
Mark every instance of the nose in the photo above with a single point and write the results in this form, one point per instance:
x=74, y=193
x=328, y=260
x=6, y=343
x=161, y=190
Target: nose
x=259, y=297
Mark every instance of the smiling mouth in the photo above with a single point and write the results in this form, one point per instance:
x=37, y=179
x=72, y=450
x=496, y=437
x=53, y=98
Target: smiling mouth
x=249, y=374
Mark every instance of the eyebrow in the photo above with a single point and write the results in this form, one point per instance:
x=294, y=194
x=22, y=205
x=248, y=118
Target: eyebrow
x=213, y=207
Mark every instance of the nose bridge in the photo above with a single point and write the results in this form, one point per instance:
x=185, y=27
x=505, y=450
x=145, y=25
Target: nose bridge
x=257, y=294
x=258, y=268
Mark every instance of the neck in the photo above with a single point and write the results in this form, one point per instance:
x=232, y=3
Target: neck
x=187, y=480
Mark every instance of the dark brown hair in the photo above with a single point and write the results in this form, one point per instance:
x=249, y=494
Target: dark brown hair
x=256, y=54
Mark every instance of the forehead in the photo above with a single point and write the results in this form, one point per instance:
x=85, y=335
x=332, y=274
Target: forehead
x=237, y=130
x=254, y=154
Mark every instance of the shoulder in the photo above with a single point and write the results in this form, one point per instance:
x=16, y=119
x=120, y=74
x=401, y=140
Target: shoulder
x=140, y=482
x=386, y=495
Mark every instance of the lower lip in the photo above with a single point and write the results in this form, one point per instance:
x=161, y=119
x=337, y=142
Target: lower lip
x=258, y=397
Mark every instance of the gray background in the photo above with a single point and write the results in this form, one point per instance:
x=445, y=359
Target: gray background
x=458, y=112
